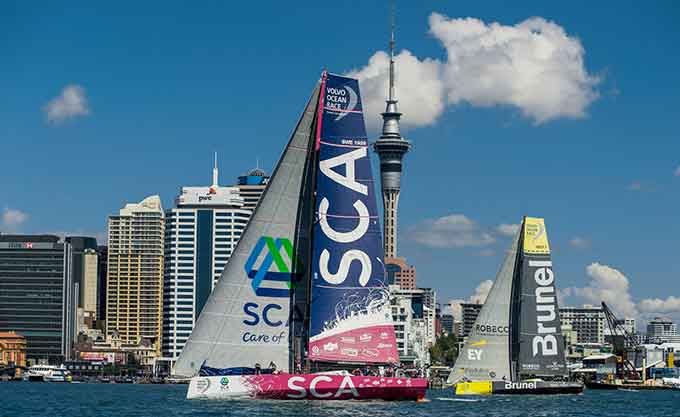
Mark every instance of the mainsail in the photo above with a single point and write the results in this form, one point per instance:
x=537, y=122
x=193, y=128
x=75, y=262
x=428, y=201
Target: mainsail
x=541, y=344
x=486, y=353
x=350, y=313
x=245, y=320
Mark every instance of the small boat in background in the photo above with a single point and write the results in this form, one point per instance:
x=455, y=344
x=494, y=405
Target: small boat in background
x=48, y=373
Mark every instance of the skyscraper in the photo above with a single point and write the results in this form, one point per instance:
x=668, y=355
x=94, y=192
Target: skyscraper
x=200, y=235
x=251, y=186
x=84, y=271
x=391, y=148
x=37, y=295
x=135, y=272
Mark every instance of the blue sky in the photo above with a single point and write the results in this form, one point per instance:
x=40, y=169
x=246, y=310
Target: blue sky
x=166, y=84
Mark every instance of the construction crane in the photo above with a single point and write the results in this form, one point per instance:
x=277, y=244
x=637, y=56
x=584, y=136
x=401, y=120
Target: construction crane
x=630, y=341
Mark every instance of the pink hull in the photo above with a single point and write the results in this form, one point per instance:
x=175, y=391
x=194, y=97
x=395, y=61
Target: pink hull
x=334, y=387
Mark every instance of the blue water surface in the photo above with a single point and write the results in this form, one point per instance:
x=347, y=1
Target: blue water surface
x=20, y=399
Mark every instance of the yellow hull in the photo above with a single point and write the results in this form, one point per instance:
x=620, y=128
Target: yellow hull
x=474, y=388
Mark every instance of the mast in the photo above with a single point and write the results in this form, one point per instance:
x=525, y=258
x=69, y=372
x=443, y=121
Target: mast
x=515, y=297
x=305, y=228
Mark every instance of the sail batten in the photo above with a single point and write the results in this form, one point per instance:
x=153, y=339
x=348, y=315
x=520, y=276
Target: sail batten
x=245, y=320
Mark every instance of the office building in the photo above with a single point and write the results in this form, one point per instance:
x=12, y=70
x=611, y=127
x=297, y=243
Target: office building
x=135, y=272
x=469, y=311
x=413, y=313
x=37, y=295
x=251, y=186
x=200, y=234
x=662, y=330
x=102, y=262
x=588, y=322
x=447, y=323
x=84, y=274
x=400, y=273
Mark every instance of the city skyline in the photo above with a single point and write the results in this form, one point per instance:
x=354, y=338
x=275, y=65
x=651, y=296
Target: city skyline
x=478, y=165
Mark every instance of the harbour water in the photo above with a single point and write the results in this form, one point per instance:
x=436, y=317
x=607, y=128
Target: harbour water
x=23, y=399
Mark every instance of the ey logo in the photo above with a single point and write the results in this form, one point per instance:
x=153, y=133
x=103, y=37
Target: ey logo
x=273, y=256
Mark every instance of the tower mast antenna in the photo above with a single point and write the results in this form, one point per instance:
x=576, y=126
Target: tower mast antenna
x=215, y=173
x=392, y=29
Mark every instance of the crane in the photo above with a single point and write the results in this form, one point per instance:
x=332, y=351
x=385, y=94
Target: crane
x=630, y=341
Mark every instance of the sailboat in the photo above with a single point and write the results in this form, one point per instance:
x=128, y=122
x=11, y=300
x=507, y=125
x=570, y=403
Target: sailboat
x=516, y=344
x=304, y=290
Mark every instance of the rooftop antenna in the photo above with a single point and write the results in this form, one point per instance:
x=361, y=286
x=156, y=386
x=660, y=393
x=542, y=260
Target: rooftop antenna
x=393, y=12
x=215, y=173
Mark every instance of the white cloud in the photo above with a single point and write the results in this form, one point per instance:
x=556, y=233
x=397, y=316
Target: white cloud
x=579, y=243
x=609, y=285
x=508, y=229
x=419, y=88
x=12, y=219
x=70, y=103
x=534, y=66
x=659, y=306
x=481, y=292
x=452, y=231
x=613, y=287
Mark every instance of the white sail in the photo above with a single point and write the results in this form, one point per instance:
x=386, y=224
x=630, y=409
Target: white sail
x=245, y=320
x=486, y=353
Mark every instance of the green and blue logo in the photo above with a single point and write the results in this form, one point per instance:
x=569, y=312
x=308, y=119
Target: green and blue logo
x=284, y=271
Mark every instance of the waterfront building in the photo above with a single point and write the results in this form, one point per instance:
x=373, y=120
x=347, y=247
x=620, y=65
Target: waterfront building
x=661, y=330
x=12, y=350
x=37, y=297
x=401, y=274
x=588, y=322
x=200, y=234
x=391, y=148
x=251, y=186
x=135, y=272
x=84, y=267
x=627, y=324
x=102, y=261
x=470, y=311
x=458, y=328
x=447, y=322
x=413, y=313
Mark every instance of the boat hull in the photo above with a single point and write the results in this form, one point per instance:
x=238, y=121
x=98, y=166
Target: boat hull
x=521, y=388
x=307, y=387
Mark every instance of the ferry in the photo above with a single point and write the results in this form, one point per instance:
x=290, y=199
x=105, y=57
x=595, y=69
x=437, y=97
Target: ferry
x=48, y=373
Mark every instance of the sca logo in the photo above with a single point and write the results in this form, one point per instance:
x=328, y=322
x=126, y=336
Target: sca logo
x=224, y=381
x=272, y=256
x=272, y=268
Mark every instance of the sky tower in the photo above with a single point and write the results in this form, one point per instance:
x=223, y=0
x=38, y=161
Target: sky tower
x=391, y=148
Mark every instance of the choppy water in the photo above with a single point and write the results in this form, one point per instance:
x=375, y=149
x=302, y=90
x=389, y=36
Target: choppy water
x=19, y=399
